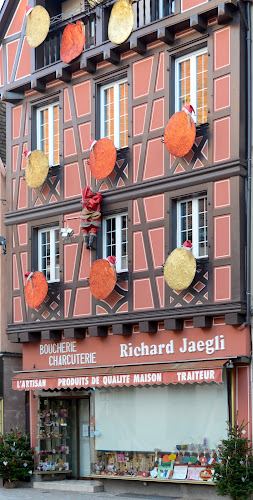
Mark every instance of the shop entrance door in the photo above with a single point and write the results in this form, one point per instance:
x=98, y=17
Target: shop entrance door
x=84, y=437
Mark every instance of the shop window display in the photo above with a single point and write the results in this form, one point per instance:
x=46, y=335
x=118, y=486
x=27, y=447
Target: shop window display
x=171, y=436
x=54, y=435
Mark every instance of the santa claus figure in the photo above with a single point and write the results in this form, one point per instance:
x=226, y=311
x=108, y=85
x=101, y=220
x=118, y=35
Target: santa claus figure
x=90, y=216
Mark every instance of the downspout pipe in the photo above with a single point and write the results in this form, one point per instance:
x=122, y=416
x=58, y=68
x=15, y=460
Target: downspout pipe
x=248, y=197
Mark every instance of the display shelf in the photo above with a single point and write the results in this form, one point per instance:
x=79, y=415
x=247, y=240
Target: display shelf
x=150, y=479
x=52, y=472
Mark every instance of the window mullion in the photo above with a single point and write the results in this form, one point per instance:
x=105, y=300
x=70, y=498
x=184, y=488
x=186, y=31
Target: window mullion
x=116, y=116
x=52, y=254
x=118, y=242
x=179, y=223
x=50, y=135
x=39, y=252
x=102, y=114
x=195, y=227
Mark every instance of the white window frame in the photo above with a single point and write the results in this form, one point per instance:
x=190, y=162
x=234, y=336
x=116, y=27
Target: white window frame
x=193, y=79
x=118, y=255
x=52, y=231
x=51, y=145
x=195, y=224
x=116, y=86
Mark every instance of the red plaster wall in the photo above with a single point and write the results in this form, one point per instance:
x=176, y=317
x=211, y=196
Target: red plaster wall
x=243, y=397
x=136, y=161
x=154, y=207
x=156, y=241
x=18, y=18
x=139, y=254
x=14, y=157
x=221, y=48
x=17, y=311
x=157, y=116
x=85, y=136
x=22, y=195
x=72, y=181
x=221, y=142
x=24, y=65
x=222, y=237
x=221, y=92
x=70, y=252
x=67, y=296
x=189, y=4
x=221, y=193
x=85, y=264
x=160, y=73
x=11, y=53
x=160, y=285
x=69, y=142
x=136, y=214
x=22, y=234
x=66, y=111
x=15, y=280
x=82, y=98
x=222, y=283
x=154, y=161
x=141, y=77
x=16, y=121
x=82, y=305
x=139, y=116
x=142, y=294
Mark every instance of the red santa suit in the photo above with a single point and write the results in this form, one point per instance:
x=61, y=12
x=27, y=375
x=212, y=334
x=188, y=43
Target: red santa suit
x=90, y=216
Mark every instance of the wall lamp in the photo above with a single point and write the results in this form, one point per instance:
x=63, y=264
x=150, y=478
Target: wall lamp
x=3, y=244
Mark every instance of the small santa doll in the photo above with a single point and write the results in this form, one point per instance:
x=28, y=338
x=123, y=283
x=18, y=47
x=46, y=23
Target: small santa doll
x=90, y=216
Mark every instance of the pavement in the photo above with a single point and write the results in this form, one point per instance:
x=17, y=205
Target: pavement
x=34, y=494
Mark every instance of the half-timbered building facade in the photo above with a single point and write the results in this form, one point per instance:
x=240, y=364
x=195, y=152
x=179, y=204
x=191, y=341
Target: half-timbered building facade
x=156, y=358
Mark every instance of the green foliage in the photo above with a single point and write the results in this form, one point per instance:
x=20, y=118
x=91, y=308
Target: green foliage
x=16, y=456
x=234, y=471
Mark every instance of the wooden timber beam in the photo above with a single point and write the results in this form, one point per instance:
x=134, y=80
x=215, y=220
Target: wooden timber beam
x=148, y=326
x=122, y=329
x=173, y=324
x=198, y=23
x=74, y=333
x=202, y=321
x=98, y=331
x=51, y=335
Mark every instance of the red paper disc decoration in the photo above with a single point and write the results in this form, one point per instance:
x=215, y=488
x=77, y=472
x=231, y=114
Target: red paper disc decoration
x=35, y=289
x=73, y=40
x=102, y=279
x=180, y=132
x=206, y=474
x=102, y=159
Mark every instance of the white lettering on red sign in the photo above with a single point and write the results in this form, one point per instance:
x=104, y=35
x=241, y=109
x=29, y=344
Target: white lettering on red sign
x=65, y=354
x=207, y=346
x=196, y=375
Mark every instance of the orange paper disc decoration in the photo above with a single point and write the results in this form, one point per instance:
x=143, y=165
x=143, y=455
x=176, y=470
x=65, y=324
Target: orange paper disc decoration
x=102, y=159
x=73, y=40
x=36, y=289
x=180, y=133
x=102, y=279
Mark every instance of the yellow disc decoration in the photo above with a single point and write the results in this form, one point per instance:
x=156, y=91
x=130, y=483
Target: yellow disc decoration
x=37, y=27
x=121, y=21
x=36, y=169
x=180, y=269
x=93, y=3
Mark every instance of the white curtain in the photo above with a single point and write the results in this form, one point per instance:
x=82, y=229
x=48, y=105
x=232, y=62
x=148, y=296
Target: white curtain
x=145, y=418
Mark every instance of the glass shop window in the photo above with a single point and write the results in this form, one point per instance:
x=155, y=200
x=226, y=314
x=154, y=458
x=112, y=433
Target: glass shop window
x=48, y=135
x=192, y=224
x=114, y=113
x=115, y=240
x=191, y=84
x=48, y=253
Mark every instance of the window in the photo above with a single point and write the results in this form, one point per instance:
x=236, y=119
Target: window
x=114, y=115
x=48, y=137
x=192, y=224
x=191, y=84
x=48, y=253
x=115, y=240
